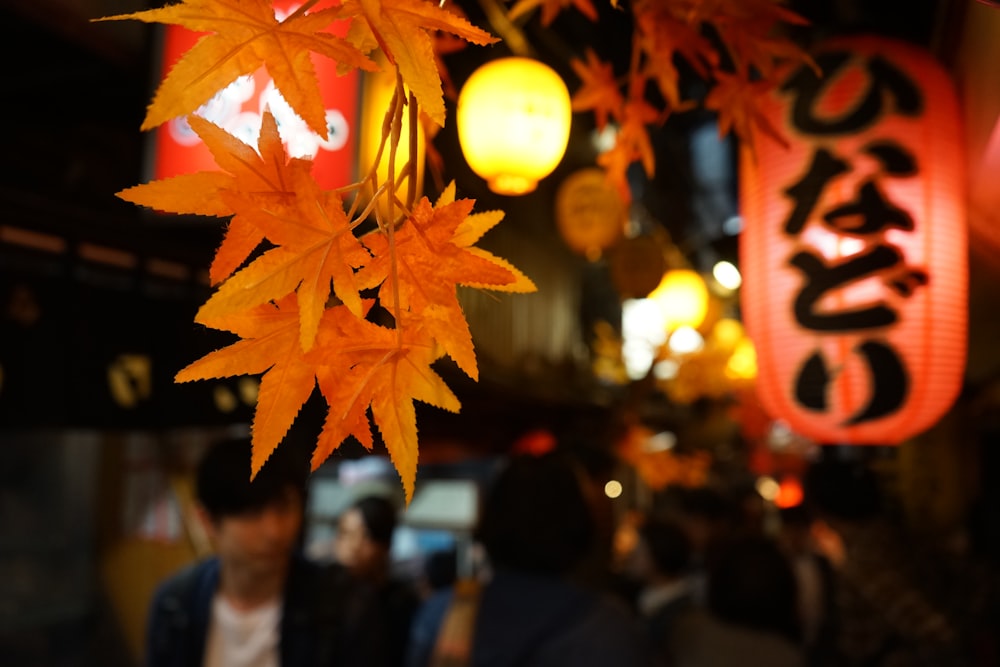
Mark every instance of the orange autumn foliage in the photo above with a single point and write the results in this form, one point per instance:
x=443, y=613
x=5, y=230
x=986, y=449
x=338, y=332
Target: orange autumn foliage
x=293, y=264
x=243, y=36
x=737, y=66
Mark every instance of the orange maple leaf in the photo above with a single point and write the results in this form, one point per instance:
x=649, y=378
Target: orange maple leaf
x=314, y=246
x=600, y=90
x=265, y=174
x=270, y=345
x=663, y=38
x=735, y=99
x=445, y=44
x=615, y=162
x=746, y=27
x=403, y=29
x=469, y=231
x=634, y=134
x=242, y=37
x=423, y=264
x=551, y=9
x=632, y=143
x=362, y=365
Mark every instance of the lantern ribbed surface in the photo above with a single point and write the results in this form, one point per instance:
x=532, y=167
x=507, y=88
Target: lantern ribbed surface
x=875, y=356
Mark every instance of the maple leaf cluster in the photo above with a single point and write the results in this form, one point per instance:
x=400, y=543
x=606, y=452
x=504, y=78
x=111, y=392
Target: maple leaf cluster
x=733, y=45
x=293, y=266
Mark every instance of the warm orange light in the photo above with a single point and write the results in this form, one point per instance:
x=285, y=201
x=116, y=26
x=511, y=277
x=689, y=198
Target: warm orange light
x=513, y=120
x=726, y=334
x=789, y=494
x=590, y=214
x=742, y=363
x=853, y=250
x=683, y=298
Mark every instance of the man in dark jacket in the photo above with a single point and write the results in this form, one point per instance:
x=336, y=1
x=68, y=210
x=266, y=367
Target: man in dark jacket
x=537, y=525
x=257, y=602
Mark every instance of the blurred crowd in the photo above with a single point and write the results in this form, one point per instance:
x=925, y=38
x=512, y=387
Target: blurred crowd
x=703, y=579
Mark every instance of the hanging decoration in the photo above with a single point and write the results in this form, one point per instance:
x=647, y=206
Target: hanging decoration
x=513, y=119
x=296, y=258
x=590, y=214
x=854, y=245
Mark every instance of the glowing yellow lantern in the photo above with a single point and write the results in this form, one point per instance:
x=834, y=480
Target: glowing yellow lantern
x=513, y=120
x=683, y=297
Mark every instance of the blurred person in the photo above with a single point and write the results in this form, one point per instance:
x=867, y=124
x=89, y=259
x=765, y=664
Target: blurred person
x=257, y=601
x=707, y=517
x=815, y=579
x=363, y=545
x=890, y=609
x=439, y=571
x=661, y=562
x=536, y=526
x=751, y=618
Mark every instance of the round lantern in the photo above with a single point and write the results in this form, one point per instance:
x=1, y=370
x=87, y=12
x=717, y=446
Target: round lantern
x=590, y=214
x=683, y=298
x=854, y=245
x=637, y=265
x=513, y=118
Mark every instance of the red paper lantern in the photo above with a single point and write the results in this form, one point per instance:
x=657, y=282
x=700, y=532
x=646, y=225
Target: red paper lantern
x=854, y=245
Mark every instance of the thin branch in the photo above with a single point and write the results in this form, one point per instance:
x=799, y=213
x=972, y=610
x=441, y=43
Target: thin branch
x=411, y=166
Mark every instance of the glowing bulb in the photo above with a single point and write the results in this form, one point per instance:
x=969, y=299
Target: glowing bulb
x=727, y=275
x=686, y=341
x=768, y=488
x=683, y=297
x=613, y=489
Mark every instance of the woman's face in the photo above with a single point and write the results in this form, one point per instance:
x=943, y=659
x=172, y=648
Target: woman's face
x=353, y=547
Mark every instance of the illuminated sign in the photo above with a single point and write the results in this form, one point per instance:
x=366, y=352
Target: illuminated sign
x=239, y=107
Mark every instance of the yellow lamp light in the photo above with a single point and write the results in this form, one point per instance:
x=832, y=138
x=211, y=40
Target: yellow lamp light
x=742, y=364
x=683, y=297
x=513, y=119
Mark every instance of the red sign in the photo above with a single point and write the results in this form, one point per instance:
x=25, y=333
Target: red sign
x=239, y=107
x=854, y=245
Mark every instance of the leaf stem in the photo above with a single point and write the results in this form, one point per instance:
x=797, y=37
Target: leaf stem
x=306, y=6
x=411, y=165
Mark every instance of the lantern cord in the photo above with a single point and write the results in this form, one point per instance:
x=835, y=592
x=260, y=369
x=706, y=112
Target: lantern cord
x=512, y=35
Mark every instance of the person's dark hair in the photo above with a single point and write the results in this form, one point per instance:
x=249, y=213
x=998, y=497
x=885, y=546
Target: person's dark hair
x=535, y=516
x=751, y=584
x=223, y=485
x=379, y=515
x=441, y=569
x=668, y=544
